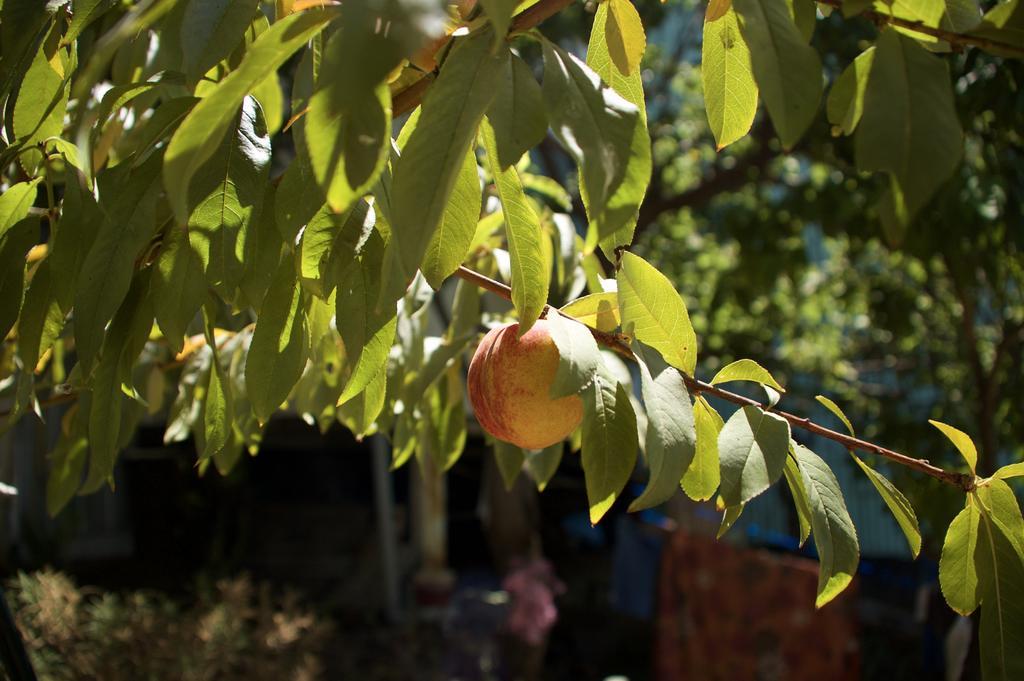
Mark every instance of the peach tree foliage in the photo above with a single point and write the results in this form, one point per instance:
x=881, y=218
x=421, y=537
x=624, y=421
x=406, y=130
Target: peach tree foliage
x=167, y=230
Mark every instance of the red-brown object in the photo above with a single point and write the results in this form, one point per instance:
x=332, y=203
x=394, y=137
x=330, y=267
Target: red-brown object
x=509, y=384
x=741, y=614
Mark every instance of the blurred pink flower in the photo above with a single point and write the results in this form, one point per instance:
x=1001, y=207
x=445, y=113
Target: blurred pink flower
x=532, y=587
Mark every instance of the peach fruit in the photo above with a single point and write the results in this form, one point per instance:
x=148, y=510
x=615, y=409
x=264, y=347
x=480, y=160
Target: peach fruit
x=509, y=383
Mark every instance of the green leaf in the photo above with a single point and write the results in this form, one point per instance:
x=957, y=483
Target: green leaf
x=517, y=112
x=802, y=504
x=510, y=459
x=280, y=344
x=450, y=244
x=624, y=33
x=200, y=134
x=671, y=439
x=1001, y=568
x=210, y=30
x=703, y=476
x=41, y=317
x=653, y=312
x=786, y=68
x=179, y=286
x=729, y=518
x=84, y=12
x=40, y=104
x=543, y=464
x=1012, y=470
x=598, y=310
x=330, y=243
x=746, y=370
x=530, y=275
x=348, y=126
x=909, y=127
x=111, y=385
x=15, y=244
x=446, y=418
x=609, y=442
x=962, y=441
x=845, y=103
x=579, y=357
x=23, y=27
x=67, y=461
x=752, y=446
x=613, y=226
x=592, y=121
x=897, y=503
x=429, y=167
x=218, y=410
x=499, y=13
x=958, y=576
x=834, y=534
x=1005, y=23
x=15, y=202
x=128, y=225
x=366, y=328
x=730, y=92
x=226, y=195
x=80, y=220
x=262, y=247
x=836, y=411
x=360, y=413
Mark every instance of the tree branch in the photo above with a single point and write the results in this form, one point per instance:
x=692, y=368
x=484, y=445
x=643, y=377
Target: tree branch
x=620, y=345
x=409, y=98
x=951, y=37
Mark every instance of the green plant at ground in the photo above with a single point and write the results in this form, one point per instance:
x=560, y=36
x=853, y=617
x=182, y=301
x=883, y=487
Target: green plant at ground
x=235, y=630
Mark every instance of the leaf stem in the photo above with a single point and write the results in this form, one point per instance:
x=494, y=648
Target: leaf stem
x=620, y=345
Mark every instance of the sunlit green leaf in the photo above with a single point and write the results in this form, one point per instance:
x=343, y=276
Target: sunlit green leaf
x=701, y=479
x=897, y=503
x=530, y=276
x=624, y=33
x=451, y=242
x=746, y=370
x=653, y=312
x=730, y=92
x=836, y=411
x=598, y=310
x=958, y=576
x=961, y=440
x=613, y=224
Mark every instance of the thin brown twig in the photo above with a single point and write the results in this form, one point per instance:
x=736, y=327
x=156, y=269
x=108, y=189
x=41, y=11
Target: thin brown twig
x=620, y=345
x=951, y=37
